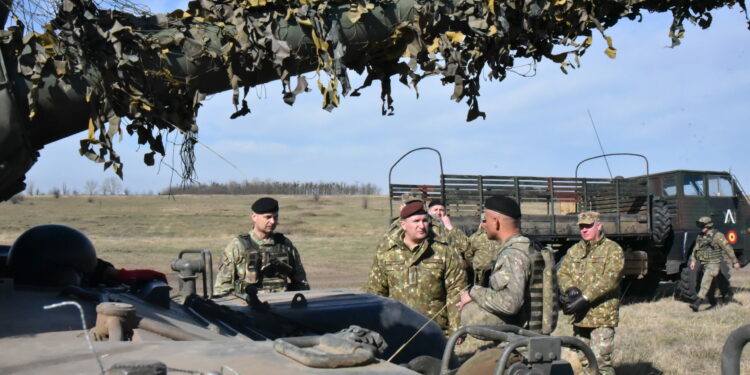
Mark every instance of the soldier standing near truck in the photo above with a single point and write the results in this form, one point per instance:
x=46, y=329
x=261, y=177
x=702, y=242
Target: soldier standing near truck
x=590, y=274
x=418, y=270
x=261, y=259
x=711, y=248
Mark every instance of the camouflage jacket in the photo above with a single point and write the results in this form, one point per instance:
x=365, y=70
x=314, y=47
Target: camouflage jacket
x=711, y=248
x=596, y=269
x=424, y=278
x=505, y=296
x=271, y=265
x=481, y=251
x=455, y=238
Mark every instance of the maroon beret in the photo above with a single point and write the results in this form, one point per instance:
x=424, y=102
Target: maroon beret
x=413, y=208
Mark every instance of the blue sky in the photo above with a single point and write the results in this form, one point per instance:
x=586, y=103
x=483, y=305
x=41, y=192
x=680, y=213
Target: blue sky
x=684, y=108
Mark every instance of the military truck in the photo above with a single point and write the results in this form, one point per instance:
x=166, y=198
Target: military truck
x=652, y=216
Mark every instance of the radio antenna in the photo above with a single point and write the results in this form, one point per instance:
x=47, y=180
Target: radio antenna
x=600, y=143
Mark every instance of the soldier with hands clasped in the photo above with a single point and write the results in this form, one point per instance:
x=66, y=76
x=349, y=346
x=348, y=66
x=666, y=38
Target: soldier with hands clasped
x=589, y=277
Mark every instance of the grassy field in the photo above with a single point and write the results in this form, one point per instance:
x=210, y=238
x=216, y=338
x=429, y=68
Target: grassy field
x=336, y=237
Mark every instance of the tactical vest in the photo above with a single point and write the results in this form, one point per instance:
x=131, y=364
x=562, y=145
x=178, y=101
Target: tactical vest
x=269, y=267
x=707, y=251
x=540, y=310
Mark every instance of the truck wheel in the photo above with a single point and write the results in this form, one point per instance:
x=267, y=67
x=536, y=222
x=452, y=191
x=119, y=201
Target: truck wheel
x=687, y=287
x=661, y=223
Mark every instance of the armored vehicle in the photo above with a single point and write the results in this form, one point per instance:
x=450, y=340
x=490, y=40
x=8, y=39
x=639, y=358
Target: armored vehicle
x=652, y=216
x=57, y=299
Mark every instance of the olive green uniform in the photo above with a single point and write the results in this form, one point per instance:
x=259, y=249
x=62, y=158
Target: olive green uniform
x=424, y=278
x=505, y=298
x=711, y=249
x=481, y=252
x=270, y=265
x=596, y=269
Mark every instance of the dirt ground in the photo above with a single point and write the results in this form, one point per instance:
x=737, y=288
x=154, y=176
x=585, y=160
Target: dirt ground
x=336, y=237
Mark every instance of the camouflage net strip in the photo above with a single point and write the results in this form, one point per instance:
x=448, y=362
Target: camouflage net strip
x=153, y=71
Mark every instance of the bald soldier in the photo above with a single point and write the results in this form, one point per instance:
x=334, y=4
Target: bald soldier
x=711, y=248
x=589, y=277
x=418, y=270
x=262, y=258
x=504, y=297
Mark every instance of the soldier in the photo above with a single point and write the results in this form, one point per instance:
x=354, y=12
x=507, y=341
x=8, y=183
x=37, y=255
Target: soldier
x=455, y=236
x=481, y=252
x=262, y=259
x=503, y=298
x=418, y=270
x=711, y=247
x=589, y=274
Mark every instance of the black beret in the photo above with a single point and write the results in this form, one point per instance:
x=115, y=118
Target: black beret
x=265, y=205
x=435, y=202
x=503, y=205
x=411, y=209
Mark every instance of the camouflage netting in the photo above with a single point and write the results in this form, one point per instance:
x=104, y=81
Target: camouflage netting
x=154, y=71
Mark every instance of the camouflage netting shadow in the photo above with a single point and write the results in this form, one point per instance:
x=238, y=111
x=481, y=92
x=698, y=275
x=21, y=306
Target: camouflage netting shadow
x=153, y=71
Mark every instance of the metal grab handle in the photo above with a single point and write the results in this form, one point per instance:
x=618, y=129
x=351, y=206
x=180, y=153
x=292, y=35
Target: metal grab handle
x=390, y=172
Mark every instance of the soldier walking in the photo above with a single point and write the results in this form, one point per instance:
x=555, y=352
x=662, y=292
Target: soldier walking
x=711, y=248
x=418, y=270
x=262, y=259
x=589, y=274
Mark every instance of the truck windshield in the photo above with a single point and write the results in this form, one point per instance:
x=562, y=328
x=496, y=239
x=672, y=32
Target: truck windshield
x=719, y=186
x=693, y=185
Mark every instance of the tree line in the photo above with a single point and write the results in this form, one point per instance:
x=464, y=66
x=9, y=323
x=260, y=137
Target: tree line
x=277, y=187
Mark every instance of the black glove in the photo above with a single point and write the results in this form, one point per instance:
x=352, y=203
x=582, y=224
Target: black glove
x=568, y=296
x=576, y=305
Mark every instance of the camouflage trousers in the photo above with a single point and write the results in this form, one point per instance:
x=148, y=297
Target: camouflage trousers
x=601, y=340
x=710, y=271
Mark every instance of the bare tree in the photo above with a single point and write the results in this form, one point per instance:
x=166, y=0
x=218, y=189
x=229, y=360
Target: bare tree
x=91, y=187
x=30, y=187
x=65, y=189
x=111, y=186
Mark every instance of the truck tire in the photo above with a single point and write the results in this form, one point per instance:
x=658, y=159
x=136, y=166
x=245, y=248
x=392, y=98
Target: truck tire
x=661, y=223
x=687, y=287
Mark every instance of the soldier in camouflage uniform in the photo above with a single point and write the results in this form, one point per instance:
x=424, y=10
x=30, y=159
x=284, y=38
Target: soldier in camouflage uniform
x=262, y=259
x=504, y=297
x=418, y=270
x=481, y=252
x=711, y=248
x=590, y=274
x=454, y=237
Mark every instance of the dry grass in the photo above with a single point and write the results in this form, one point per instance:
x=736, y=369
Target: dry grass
x=336, y=237
x=331, y=233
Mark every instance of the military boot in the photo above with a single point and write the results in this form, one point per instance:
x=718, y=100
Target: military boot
x=697, y=304
x=712, y=300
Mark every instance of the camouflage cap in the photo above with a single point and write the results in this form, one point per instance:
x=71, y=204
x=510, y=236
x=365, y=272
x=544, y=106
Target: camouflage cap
x=705, y=221
x=588, y=217
x=412, y=197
